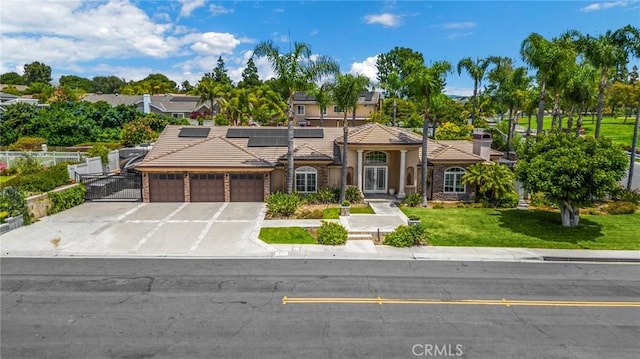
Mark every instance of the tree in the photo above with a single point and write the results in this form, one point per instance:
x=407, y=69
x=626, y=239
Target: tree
x=425, y=83
x=634, y=140
x=578, y=90
x=476, y=69
x=76, y=82
x=345, y=93
x=186, y=86
x=250, y=77
x=570, y=170
x=108, y=84
x=12, y=78
x=492, y=180
x=211, y=92
x=220, y=73
x=608, y=52
x=394, y=68
x=295, y=71
x=544, y=56
x=37, y=72
x=322, y=94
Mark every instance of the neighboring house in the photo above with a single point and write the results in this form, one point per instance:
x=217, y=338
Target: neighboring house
x=306, y=110
x=178, y=106
x=7, y=99
x=210, y=164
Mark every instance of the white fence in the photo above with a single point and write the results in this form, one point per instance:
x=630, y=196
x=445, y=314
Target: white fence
x=93, y=165
x=48, y=158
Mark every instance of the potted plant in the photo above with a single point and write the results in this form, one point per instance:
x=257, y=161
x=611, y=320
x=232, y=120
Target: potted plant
x=345, y=207
x=414, y=220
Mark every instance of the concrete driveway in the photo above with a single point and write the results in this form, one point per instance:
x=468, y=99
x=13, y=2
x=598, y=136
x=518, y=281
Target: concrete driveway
x=143, y=229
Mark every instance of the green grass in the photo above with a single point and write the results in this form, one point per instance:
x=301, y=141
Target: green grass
x=613, y=128
x=334, y=212
x=286, y=235
x=484, y=227
x=4, y=179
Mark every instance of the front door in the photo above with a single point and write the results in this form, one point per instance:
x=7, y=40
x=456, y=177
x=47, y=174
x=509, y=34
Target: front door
x=375, y=179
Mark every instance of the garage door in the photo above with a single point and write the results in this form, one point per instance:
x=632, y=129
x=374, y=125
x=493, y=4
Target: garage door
x=207, y=187
x=247, y=188
x=166, y=187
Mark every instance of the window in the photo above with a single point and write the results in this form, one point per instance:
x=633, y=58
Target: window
x=178, y=115
x=300, y=109
x=323, y=111
x=306, y=179
x=376, y=157
x=337, y=109
x=453, y=180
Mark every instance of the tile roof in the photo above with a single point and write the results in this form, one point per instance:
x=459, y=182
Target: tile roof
x=375, y=133
x=466, y=146
x=441, y=152
x=308, y=152
x=363, y=97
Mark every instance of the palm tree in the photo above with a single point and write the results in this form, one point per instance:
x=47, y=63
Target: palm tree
x=212, y=92
x=477, y=72
x=345, y=94
x=322, y=96
x=544, y=56
x=296, y=71
x=492, y=181
x=607, y=52
x=578, y=89
x=425, y=83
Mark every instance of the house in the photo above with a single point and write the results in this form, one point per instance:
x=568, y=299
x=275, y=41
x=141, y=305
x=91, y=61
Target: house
x=306, y=111
x=7, y=99
x=178, y=106
x=210, y=164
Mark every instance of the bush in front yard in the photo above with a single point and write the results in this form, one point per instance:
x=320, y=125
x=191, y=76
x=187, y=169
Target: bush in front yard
x=283, y=205
x=620, y=208
x=13, y=202
x=407, y=236
x=42, y=181
x=332, y=233
x=353, y=194
x=413, y=200
x=66, y=199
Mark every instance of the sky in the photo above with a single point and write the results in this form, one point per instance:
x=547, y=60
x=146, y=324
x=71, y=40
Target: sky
x=183, y=39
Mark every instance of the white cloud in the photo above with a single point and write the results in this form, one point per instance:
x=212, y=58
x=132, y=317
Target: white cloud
x=314, y=32
x=189, y=5
x=457, y=25
x=215, y=43
x=460, y=91
x=219, y=10
x=605, y=5
x=384, y=19
x=367, y=68
x=456, y=35
x=265, y=71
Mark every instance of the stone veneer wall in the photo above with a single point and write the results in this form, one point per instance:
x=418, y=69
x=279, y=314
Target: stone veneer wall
x=145, y=188
x=438, y=185
x=323, y=174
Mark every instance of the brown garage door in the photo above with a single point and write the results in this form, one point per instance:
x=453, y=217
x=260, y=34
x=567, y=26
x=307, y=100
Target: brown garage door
x=166, y=187
x=207, y=187
x=247, y=188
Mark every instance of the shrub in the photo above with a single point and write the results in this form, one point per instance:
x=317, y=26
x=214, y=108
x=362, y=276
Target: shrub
x=331, y=233
x=310, y=214
x=413, y=200
x=13, y=202
x=66, y=199
x=99, y=150
x=540, y=200
x=328, y=195
x=625, y=195
x=42, y=181
x=620, y=208
x=353, y=194
x=137, y=132
x=283, y=205
x=345, y=204
x=27, y=165
x=407, y=236
x=28, y=144
x=509, y=200
x=438, y=205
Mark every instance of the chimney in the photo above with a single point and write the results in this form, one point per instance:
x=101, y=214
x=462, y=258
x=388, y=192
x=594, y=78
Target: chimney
x=482, y=145
x=146, y=101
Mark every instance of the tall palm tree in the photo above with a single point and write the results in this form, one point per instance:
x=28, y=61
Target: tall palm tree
x=425, y=83
x=512, y=84
x=577, y=90
x=212, y=92
x=296, y=71
x=606, y=53
x=322, y=95
x=476, y=69
x=345, y=94
x=544, y=56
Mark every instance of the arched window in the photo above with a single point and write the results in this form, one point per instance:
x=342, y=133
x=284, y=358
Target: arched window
x=376, y=157
x=453, y=180
x=306, y=179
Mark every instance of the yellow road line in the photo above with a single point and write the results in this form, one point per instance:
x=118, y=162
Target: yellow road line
x=502, y=301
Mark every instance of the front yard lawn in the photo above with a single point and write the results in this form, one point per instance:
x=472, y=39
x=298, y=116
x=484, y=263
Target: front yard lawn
x=4, y=179
x=334, y=212
x=486, y=227
x=286, y=235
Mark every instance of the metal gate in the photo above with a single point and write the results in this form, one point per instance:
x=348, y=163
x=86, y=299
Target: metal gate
x=126, y=186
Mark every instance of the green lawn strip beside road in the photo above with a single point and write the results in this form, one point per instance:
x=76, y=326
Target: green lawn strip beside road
x=286, y=235
x=334, y=212
x=485, y=227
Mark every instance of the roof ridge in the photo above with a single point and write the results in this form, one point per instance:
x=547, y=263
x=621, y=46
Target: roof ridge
x=183, y=148
x=243, y=149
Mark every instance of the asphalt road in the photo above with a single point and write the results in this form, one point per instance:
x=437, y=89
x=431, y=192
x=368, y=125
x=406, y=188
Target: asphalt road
x=233, y=308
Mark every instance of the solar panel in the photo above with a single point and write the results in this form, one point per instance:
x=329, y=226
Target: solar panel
x=237, y=133
x=197, y=132
x=308, y=133
x=267, y=142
